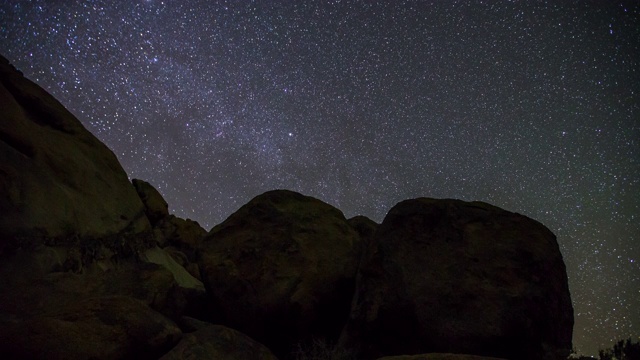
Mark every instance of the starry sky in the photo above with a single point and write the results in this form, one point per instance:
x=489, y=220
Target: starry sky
x=533, y=106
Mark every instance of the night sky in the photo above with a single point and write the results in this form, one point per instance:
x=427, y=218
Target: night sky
x=532, y=106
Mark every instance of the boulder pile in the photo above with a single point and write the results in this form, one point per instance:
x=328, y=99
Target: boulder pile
x=94, y=266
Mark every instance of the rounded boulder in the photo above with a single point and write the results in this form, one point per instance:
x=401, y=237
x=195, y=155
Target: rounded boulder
x=282, y=270
x=450, y=276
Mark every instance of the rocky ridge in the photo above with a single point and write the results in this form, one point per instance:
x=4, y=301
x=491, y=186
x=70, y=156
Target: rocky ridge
x=100, y=262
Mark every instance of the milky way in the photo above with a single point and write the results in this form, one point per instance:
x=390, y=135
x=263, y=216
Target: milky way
x=531, y=106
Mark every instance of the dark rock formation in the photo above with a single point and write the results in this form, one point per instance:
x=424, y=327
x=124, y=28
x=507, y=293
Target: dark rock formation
x=169, y=230
x=281, y=269
x=177, y=241
x=92, y=266
x=470, y=278
x=95, y=328
x=182, y=259
x=364, y=226
x=33, y=282
x=186, y=235
x=56, y=179
x=78, y=258
x=218, y=342
x=161, y=257
x=178, y=238
x=155, y=206
x=188, y=324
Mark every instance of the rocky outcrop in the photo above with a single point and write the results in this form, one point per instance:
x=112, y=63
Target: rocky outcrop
x=57, y=180
x=281, y=269
x=40, y=289
x=80, y=276
x=34, y=283
x=185, y=234
x=183, y=278
x=95, y=328
x=155, y=207
x=182, y=235
x=452, y=276
x=364, y=226
x=93, y=266
x=218, y=342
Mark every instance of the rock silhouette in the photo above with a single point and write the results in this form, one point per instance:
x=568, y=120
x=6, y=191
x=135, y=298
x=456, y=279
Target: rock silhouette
x=469, y=278
x=155, y=206
x=80, y=274
x=438, y=357
x=57, y=179
x=96, y=328
x=218, y=342
x=95, y=266
x=281, y=269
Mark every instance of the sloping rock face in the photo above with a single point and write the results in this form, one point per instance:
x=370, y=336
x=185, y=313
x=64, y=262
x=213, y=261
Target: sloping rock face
x=282, y=270
x=155, y=205
x=77, y=255
x=56, y=179
x=96, y=328
x=218, y=342
x=469, y=278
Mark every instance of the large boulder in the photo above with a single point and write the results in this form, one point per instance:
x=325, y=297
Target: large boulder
x=155, y=205
x=282, y=270
x=438, y=357
x=461, y=277
x=56, y=179
x=96, y=328
x=218, y=342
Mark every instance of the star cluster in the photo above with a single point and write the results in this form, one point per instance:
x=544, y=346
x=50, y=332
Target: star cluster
x=532, y=106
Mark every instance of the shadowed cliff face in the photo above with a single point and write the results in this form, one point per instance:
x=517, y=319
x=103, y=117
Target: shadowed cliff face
x=56, y=178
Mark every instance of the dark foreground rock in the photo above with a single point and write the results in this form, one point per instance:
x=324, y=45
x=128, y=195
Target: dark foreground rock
x=364, y=226
x=155, y=206
x=56, y=179
x=282, y=270
x=452, y=276
x=94, y=267
x=180, y=238
x=218, y=342
x=96, y=328
x=170, y=230
x=80, y=276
